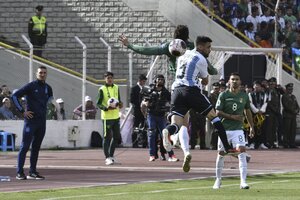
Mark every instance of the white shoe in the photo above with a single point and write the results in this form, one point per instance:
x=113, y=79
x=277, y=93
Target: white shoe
x=173, y=159
x=244, y=186
x=186, y=162
x=109, y=161
x=152, y=158
x=262, y=146
x=217, y=184
x=166, y=141
x=175, y=139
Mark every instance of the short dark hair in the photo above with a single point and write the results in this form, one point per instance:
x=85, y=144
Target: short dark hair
x=142, y=77
x=106, y=74
x=42, y=67
x=235, y=74
x=202, y=40
x=181, y=32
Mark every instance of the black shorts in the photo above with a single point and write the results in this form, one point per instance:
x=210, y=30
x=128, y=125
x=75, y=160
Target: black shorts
x=185, y=98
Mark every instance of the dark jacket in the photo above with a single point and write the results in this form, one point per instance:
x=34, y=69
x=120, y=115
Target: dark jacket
x=37, y=94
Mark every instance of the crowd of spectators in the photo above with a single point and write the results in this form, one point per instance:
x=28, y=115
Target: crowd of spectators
x=255, y=19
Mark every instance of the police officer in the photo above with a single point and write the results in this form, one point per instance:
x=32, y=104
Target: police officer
x=37, y=31
x=155, y=104
x=37, y=93
x=110, y=117
x=290, y=110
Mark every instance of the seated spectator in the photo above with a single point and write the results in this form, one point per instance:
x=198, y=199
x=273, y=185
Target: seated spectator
x=249, y=31
x=60, y=110
x=239, y=17
x=89, y=107
x=5, y=109
x=51, y=111
x=254, y=19
x=5, y=92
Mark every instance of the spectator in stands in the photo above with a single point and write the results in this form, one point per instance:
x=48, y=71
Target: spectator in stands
x=5, y=109
x=252, y=4
x=37, y=31
x=5, y=93
x=241, y=27
x=254, y=19
x=60, y=110
x=90, y=110
x=290, y=110
x=280, y=19
x=290, y=33
x=243, y=5
x=289, y=17
x=238, y=17
x=135, y=100
x=296, y=44
x=249, y=31
x=266, y=17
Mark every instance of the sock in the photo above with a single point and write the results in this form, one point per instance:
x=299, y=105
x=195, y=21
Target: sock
x=219, y=166
x=221, y=132
x=184, y=140
x=243, y=167
x=172, y=128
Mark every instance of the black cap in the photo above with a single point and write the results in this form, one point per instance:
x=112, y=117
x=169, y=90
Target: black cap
x=273, y=79
x=142, y=77
x=216, y=84
x=39, y=7
x=290, y=85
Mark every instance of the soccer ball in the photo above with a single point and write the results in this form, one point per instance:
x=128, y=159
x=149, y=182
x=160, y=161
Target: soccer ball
x=177, y=47
x=112, y=102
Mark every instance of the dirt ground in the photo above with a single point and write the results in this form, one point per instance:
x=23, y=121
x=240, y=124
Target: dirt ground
x=84, y=168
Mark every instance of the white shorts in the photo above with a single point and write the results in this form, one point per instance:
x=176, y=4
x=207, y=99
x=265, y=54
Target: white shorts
x=236, y=138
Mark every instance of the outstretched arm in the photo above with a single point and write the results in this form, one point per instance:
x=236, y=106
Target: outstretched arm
x=153, y=50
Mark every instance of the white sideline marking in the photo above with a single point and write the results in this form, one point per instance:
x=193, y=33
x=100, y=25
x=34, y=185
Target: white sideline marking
x=158, y=191
x=125, y=168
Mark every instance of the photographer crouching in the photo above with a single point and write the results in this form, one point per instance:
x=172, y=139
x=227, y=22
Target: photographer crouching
x=155, y=105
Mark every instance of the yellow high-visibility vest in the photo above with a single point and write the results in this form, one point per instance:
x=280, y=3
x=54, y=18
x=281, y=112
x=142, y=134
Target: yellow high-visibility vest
x=39, y=24
x=108, y=92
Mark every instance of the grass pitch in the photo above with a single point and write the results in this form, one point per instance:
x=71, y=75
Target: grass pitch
x=263, y=187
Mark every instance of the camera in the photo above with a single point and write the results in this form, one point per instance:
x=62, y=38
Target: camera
x=157, y=101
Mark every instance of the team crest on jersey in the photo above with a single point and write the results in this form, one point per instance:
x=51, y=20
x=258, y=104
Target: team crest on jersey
x=241, y=100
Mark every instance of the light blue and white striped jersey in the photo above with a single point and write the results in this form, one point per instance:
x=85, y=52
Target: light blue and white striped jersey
x=190, y=66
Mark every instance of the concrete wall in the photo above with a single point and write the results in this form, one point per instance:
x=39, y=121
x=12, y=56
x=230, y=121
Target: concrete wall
x=57, y=132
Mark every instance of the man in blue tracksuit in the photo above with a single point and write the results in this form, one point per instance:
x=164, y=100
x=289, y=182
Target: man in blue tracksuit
x=37, y=94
